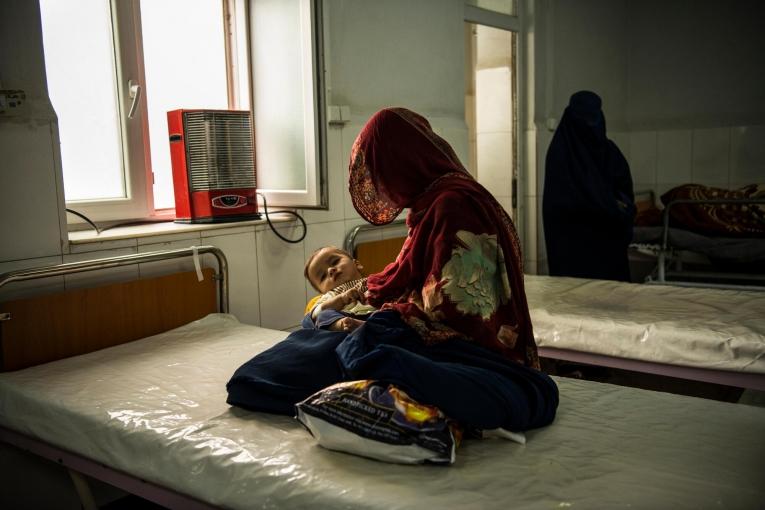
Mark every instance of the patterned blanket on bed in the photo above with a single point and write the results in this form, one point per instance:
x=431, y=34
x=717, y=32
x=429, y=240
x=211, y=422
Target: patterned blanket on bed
x=724, y=220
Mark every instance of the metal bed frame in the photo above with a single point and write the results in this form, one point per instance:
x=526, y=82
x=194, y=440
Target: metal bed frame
x=75, y=464
x=726, y=378
x=666, y=251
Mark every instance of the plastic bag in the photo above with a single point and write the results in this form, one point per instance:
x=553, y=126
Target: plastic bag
x=379, y=421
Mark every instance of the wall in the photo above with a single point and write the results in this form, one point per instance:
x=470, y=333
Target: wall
x=695, y=63
x=30, y=193
x=397, y=53
x=696, y=106
x=377, y=54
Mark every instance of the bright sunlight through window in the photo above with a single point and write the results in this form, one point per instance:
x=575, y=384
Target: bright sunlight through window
x=80, y=66
x=185, y=65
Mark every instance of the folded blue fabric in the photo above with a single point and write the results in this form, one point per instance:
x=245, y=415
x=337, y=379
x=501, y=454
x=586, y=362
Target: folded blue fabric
x=276, y=379
x=470, y=384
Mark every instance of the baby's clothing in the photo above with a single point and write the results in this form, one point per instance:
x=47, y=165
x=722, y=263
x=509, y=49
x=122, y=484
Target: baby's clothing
x=356, y=308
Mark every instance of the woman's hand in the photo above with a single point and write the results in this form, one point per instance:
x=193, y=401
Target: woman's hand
x=342, y=300
x=346, y=324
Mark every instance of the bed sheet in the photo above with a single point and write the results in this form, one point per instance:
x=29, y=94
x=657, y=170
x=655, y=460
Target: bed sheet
x=155, y=408
x=703, y=328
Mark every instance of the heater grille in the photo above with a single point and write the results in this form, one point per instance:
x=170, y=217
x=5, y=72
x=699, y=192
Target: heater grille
x=219, y=150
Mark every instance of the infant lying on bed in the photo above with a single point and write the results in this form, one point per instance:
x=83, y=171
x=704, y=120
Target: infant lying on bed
x=337, y=276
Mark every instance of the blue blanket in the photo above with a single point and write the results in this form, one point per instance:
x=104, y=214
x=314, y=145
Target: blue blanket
x=468, y=383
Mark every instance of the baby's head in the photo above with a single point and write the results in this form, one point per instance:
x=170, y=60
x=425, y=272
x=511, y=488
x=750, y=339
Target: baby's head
x=328, y=267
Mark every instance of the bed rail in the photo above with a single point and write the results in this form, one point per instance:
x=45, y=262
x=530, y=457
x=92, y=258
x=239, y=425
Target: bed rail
x=350, y=239
x=125, y=260
x=664, y=252
x=711, y=201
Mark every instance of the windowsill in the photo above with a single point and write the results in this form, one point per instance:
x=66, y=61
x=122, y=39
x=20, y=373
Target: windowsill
x=165, y=228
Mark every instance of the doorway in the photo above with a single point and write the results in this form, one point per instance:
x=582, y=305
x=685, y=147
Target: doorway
x=491, y=110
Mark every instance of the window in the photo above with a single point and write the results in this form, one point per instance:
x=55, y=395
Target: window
x=287, y=92
x=115, y=68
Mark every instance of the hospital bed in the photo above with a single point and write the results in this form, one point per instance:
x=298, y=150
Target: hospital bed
x=694, y=258
x=149, y=416
x=700, y=334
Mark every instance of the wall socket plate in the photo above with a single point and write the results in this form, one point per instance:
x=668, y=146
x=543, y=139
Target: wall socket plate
x=12, y=101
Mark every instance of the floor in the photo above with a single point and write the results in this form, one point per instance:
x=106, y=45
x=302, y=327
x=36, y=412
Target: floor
x=132, y=502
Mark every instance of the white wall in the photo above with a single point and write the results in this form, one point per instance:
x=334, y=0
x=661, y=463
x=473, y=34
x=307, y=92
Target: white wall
x=579, y=45
x=695, y=63
x=696, y=106
x=31, y=197
x=397, y=53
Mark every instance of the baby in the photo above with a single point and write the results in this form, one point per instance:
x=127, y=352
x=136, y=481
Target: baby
x=337, y=276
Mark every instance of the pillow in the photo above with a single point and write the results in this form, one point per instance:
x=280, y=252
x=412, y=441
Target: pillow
x=379, y=421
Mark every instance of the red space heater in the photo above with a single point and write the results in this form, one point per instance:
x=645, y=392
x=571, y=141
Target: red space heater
x=213, y=159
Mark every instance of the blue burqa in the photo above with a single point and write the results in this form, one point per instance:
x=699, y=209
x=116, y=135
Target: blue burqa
x=588, y=206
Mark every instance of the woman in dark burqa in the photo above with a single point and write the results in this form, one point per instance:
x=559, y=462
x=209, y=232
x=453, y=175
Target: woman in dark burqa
x=588, y=206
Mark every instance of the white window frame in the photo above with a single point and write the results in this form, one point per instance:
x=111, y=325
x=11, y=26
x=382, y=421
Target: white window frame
x=314, y=196
x=137, y=170
x=136, y=164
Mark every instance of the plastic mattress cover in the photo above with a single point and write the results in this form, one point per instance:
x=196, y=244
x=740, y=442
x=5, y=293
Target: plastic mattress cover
x=704, y=328
x=155, y=409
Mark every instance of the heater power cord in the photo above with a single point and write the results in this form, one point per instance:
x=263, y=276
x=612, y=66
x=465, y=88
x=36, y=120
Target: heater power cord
x=296, y=215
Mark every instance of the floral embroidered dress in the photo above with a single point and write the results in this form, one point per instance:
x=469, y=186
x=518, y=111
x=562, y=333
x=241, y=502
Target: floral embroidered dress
x=459, y=273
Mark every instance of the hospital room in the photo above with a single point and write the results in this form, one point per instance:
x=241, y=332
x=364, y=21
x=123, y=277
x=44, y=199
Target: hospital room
x=382, y=254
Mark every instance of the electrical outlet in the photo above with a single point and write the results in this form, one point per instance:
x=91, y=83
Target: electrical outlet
x=12, y=101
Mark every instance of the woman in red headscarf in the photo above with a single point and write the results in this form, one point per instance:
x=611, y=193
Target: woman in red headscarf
x=459, y=273
x=454, y=330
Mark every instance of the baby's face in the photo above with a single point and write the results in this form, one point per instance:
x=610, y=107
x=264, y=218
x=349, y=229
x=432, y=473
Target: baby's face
x=330, y=267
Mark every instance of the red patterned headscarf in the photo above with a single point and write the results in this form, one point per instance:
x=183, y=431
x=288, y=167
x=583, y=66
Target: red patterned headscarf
x=459, y=273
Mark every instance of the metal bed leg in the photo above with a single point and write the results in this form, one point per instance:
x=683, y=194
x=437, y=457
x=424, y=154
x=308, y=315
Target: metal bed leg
x=660, y=266
x=83, y=490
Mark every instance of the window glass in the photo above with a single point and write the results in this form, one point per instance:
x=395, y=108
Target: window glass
x=185, y=67
x=279, y=79
x=80, y=69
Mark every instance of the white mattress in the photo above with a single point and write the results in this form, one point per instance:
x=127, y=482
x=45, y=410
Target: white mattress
x=156, y=409
x=703, y=328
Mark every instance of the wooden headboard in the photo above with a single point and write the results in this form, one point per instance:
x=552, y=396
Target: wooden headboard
x=374, y=255
x=46, y=328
